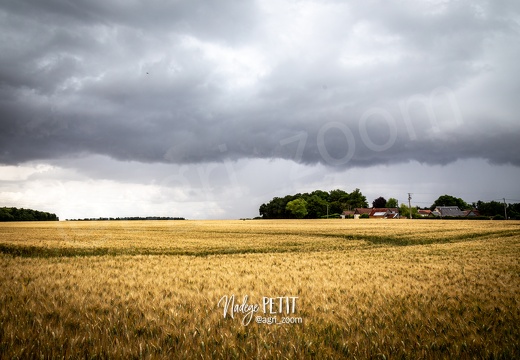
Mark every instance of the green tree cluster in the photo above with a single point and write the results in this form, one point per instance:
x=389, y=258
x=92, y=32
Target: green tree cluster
x=491, y=208
x=380, y=202
x=448, y=200
x=312, y=205
x=297, y=207
x=14, y=214
x=496, y=209
x=392, y=203
x=404, y=211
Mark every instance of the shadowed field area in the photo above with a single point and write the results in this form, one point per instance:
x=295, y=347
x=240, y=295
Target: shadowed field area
x=365, y=289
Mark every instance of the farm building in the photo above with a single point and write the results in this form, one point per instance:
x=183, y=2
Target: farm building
x=347, y=214
x=425, y=213
x=377, y=213
x=384, y=213
x=451, y=211
x=471, y=213
x=361, y=211
x=393, y=213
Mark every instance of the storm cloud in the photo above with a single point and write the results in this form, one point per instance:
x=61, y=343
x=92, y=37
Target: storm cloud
x=341, y=84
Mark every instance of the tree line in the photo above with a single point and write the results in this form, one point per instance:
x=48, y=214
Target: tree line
x=497, y=209
x=15, y=214
x=129, y=218
x=314, y=205
x=320, y=204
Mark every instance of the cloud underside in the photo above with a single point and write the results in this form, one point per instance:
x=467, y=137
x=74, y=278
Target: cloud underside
x=341, y=85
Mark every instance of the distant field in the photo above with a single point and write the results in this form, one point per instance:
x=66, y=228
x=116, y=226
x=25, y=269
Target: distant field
x=365, y=289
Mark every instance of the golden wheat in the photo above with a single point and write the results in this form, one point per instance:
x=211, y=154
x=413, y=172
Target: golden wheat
x=366, y=289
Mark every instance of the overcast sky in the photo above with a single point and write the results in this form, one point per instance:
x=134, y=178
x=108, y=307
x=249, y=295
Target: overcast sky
x=207, y=109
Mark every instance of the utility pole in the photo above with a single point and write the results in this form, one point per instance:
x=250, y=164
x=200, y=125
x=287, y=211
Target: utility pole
x=505, y=208
x=410, y=203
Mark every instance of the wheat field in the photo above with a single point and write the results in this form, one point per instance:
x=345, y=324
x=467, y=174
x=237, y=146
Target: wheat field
x=364, y=289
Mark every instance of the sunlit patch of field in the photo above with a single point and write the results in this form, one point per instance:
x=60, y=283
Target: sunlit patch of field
x=366, y=289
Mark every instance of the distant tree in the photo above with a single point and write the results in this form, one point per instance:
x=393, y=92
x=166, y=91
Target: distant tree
x=321, y=194
x=338, y=195
x=392, y=203
x=357, y=200
x=297, y=207
x=338, y=201
x=380, y=202
x=15, y=214
x=276, y=208
x=5, y=215
x=491, y=208
x=316, y=207
x=317, y=203
x=263, y=210
x=404, y=211
x=448, y=200
x=336, y=207
x=513, y=211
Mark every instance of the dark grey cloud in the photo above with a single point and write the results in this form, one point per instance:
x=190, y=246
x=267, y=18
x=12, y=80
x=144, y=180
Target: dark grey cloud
x=194, y=82
x=227, y=20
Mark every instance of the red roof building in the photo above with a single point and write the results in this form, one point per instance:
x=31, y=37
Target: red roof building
x=425, y=213
x=378, y=213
